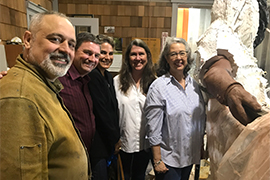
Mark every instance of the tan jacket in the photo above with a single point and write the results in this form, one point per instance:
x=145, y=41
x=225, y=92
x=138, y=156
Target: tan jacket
x=38, y=139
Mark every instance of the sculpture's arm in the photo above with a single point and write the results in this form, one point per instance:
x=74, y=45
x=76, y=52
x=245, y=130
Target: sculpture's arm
x=227, y=91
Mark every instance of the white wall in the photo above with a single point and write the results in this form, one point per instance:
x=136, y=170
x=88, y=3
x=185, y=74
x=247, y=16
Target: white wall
x=3, y=61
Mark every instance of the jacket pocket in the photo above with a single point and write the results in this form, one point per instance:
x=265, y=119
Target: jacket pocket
x=31, y=162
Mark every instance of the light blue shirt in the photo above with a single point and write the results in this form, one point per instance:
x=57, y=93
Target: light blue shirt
x=175, y=120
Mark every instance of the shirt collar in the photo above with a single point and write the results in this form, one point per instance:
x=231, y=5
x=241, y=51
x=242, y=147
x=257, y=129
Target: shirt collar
x=75, y=75
x=73, y=72
x=169, y=78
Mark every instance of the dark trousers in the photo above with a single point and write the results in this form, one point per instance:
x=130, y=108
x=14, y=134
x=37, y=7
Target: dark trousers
x=99, y=171
x=135, y=164
x=174, y=173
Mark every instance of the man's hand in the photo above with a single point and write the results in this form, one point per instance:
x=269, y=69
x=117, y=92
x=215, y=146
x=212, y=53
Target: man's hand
x=2, y=74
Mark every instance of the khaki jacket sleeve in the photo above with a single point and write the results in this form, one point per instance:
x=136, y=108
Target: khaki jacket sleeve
x=24, y=140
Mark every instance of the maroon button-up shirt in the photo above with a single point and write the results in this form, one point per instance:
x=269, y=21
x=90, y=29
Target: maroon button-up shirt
x=77, y=99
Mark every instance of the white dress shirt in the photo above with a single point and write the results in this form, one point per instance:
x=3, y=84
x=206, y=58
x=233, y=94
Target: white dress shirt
x=131, y=118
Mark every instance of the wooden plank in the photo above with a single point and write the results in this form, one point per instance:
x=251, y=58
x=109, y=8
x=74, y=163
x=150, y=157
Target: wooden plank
x=113, y=10
x=118, y=32
x=105, y=21
x=128, y=10
x=81, y=9
x=121, y=10
x=128, y=32
x=62, y=8
x=71, y=9
x=168, y=11
x=113, y=20
x=167, y=22
x=134, y=21
x=13, y=17
x=106, y=10
x=21, y=6
x=160, y=22
x=5, y=15
x=3, y=2
x=92, y=9
x=123, y=21
x=141, y=32
x=145, y=21
x=100, y=10
x=153, y=22
x=141, y=10
x=21, y=19
x=159, y=11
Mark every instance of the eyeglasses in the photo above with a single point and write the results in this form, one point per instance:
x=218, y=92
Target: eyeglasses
x=174, y=55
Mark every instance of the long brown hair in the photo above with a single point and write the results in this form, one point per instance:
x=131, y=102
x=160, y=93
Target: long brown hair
x=148, y=72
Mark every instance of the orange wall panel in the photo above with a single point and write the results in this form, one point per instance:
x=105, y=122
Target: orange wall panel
x=182, y=23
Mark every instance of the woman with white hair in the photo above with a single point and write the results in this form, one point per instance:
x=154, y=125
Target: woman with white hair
x=175, y=114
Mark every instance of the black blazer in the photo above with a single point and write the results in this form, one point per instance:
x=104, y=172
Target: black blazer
x=106, y=115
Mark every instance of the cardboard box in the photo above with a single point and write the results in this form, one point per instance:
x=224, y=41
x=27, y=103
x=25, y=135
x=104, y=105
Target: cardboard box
x=12, y=51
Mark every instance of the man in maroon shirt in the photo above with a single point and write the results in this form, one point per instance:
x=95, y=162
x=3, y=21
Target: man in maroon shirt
x=76, y=94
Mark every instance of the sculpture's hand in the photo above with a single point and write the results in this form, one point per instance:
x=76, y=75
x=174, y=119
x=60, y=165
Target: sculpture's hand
x=241, y=104
x=227, y=91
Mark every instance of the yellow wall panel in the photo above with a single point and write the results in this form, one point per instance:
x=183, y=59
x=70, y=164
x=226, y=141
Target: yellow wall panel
x=182, y=23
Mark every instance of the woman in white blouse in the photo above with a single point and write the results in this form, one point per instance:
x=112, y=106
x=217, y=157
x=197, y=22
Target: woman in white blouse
x=131, y=86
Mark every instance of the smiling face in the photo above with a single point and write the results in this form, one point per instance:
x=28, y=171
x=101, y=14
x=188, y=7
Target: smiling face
x=137, y=58
x=106, y=56
x=86, y=57
x=51, y=46
x=177, y=58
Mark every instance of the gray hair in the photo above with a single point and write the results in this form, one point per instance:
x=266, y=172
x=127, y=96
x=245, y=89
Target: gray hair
x=36, y=20
x=163, y=66
x=105, y=39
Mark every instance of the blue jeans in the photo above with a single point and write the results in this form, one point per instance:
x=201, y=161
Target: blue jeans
x=174, y=173
x=135, y=164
